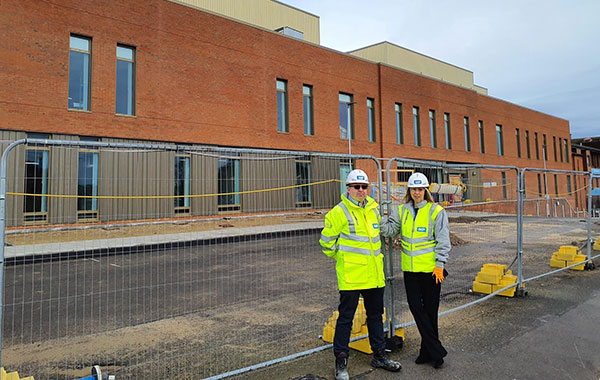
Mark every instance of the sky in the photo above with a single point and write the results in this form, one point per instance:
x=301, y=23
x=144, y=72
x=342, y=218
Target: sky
x=539, y=54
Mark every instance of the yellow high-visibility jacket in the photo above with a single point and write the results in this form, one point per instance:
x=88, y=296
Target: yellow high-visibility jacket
x=351, y=237
x=418, y=241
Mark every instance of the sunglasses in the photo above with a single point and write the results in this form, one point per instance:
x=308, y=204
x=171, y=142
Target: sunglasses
x=357, y=187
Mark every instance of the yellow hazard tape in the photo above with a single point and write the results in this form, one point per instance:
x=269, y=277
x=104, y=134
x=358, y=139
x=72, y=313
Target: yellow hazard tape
x=170, y=196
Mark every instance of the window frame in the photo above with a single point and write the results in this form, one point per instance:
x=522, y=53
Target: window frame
x=300, y=201
x=448, y=130
x=282, y=106
x=187, y=185
x=499, y=140
x=467, y=134
x=481, y=137
x=348, y=114
x=235, y=206
x=37, y=217
x=432, y=128
x=527, y=147
x=131, y=96
x=416, y=126
x=88, y=91
x=518, y=138
x=371, y=120
x=308, y=104
x=91, y=215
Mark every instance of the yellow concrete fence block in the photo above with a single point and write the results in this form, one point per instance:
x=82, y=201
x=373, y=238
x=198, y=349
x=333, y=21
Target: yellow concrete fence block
x=12, y=375
x=480, y=287
x=491, y=273
x=567, y=252
x=554, y=263
x=361, y=345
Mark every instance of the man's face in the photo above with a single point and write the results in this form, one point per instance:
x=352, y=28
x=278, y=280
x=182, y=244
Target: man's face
x=358, y=191
x=417, y=194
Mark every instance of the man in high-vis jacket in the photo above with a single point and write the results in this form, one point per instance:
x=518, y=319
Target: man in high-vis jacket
x=422, y=226
x=351, y=237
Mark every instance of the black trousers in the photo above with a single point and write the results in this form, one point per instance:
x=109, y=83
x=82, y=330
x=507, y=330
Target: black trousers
x=373, y=299
x=423, y=296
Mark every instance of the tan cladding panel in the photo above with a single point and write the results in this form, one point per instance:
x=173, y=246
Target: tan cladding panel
x=409, y=60
x=267, y=14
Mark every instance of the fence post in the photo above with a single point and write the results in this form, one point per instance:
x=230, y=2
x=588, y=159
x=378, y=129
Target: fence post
x=3, y=171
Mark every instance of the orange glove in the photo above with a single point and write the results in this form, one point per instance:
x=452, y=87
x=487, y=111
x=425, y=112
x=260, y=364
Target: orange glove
x=438, y=274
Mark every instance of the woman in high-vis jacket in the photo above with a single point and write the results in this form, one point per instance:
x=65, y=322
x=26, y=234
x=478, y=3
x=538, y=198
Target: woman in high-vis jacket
x=351, y=237
x=425, y=238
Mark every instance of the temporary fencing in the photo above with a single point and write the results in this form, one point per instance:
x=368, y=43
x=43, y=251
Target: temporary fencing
x=164, y=261
x=174, y=261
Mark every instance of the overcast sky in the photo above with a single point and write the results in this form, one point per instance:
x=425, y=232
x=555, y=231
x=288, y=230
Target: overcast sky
x=540, y=54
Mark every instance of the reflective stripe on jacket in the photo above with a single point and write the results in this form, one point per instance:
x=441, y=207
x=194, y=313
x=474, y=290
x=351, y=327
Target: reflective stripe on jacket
x=418, y=242
x=351, y=237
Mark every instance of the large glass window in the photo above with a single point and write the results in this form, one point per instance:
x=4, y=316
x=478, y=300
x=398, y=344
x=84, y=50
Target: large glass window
x=467, y=134
x=499, y=140
x=125, y=96
x=371, y=119
x=447, y=130
x=182, y=184
x=554, y=148
x=416, y=126
x=37, y=161
x=303, y=195
x=527, y=144
x=566, y=143
x=282, y=106
x=346, y=116
x=518, y=139
x=309, y=128
x=481, y=136
x=229, y=184
x=79, y=72
x=432, y=128
x=537, y=146
x=399, y=124
x=545, y=147
x=87, y=182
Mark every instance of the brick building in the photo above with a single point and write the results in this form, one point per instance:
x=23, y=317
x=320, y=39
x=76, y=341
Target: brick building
x=171, y=72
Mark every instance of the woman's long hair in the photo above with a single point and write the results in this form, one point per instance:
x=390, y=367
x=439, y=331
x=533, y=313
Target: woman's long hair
x=427, y=197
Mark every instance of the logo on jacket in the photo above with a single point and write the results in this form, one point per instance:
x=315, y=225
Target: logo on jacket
x=421, y=229
x=376, y=225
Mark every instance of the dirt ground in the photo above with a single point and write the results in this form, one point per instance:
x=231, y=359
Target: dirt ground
x=213, y=341
x=122, y=230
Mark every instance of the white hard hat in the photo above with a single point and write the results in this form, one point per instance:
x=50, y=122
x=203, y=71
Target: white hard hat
x=418, y=180
x=357, y=176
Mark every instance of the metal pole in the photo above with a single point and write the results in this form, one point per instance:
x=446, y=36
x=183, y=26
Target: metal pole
x=3, y=171
x=546, y=183
x=520, y=197
x=589, y=220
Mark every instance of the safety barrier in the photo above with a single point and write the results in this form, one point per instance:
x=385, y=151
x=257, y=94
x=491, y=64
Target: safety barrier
x=173, y=261
x=167, y=261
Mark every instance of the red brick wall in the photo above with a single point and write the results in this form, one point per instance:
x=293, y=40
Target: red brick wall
x=205, y=79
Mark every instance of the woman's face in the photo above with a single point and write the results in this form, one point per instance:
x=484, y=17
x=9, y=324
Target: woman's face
x=417, y=194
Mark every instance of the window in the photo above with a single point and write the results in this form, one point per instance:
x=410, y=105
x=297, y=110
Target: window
x=346, y=116
x=87, y=182
x=371, y=119
x=556, y=185
x=467, y=135
x=303, y=195
x=416, y=126
x=518, y=137
x=545, y=148
x=182, y=184
x=345, y=169
x=481, y=137
x=399, y=125
x=432, y=128
x=79, y=72
x=229, y=184
x=309, y=128
x=554, y=148
x=560, y=148
x=125, y=97
x=566, y=143
x=537, y=148
x=527, y=145
x=569, y=189
x=447, y=130
x=539, y=178
x=503, y=185
x=499, y=140
x=282, y=106
x=37, y=159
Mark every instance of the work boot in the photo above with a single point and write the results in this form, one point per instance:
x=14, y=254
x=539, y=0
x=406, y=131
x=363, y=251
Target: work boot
x=381, y=360
x=341, y=366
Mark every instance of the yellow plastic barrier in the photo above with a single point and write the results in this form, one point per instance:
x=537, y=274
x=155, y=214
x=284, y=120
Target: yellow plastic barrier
x=359, y=328
x=492, y=277
x=597, y=245
x=12, y=375
x=568, y=255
